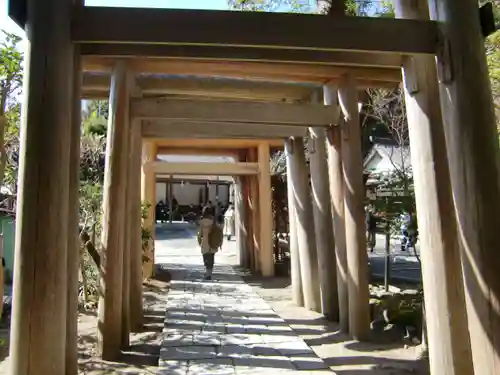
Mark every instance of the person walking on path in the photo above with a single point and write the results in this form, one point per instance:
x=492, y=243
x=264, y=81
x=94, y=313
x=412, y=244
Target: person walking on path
x=371, y=229
x=210, y=239
x=229, y=222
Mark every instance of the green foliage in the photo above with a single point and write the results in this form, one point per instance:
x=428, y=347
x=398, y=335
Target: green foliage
x=11, y=147
x=11, y=75
x=95, y=118
x=394, y=196
x=92, y=159
x=96, y=126
x=92, y=162
x=492, y=46
x=299, y=6
x=147, y=234
x=352, y=7
x=90, y=201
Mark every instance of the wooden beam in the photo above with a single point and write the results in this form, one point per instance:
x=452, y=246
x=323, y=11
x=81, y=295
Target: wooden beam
x=269, y=55
x=215, y=144
x=234, y=111
x=212, y=169
x=187, y=129
x=96, y=85
x=196, y=151
x=249, y=29
x=288, y=72
x=195, y=180
x=187, y=85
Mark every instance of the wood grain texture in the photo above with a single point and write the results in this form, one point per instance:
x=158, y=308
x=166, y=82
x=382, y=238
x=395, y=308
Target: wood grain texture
x=354, y=194
x=250, y=29
x=213, y=130
x=257, y=71
x=304, y=222
x=232, y=111
x=73, y=224
x=204, y=168
x=446, y=317
x=38, y=326
x=135, y=232
x=268, y=55
x=293, y=242
x=148, y=196
x=336, y=182
x=265, y=210
x=323, y=225
x=474, y=158
x=114, y=198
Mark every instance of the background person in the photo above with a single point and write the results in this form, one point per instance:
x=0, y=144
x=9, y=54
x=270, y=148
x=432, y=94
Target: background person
x=229, y=222
x=371, y=228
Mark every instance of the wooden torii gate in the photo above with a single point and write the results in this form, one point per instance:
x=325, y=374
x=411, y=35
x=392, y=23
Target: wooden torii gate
x=453, y=139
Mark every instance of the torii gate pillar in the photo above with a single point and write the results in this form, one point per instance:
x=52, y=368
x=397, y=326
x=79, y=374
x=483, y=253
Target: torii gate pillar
x=473, y=157
x=40, y=275
x=265, y=211
x=148, y=196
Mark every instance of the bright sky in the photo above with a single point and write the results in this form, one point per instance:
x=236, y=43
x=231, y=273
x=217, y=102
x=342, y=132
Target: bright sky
x=10, y=26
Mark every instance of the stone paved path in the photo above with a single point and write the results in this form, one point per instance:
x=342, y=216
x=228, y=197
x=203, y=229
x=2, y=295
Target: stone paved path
x=222, y=327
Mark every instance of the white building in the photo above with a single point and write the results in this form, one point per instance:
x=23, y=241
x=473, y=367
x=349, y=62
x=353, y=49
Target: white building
x=195, y=190
x=382, y=160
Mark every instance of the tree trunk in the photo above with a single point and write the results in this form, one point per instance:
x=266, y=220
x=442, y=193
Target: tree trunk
x=90, y=247
x=84, y=280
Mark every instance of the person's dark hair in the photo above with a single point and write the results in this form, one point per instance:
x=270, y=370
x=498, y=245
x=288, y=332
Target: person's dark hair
x=207, y=212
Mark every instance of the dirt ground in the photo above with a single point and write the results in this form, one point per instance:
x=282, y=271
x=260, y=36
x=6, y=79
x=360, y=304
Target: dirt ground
x=142, y=356
x=383, y=356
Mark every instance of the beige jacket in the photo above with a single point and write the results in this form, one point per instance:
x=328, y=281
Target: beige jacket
x=203, y=232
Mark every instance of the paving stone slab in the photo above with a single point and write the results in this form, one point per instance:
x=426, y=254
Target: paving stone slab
x=217, y=366
x=251, y=370
x=207, y=338
x=177, y=339
x=187, y=352
x=291, y=348
x=308, y=362
x=235, y=351
x=171, y=367
x=273, y=362
x=241, y=339
x=223, y=327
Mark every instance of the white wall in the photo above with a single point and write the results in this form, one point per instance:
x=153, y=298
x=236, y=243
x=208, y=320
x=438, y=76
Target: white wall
x=161, y=192
x=187, y=194
x=223, y=190
x=376, y=164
